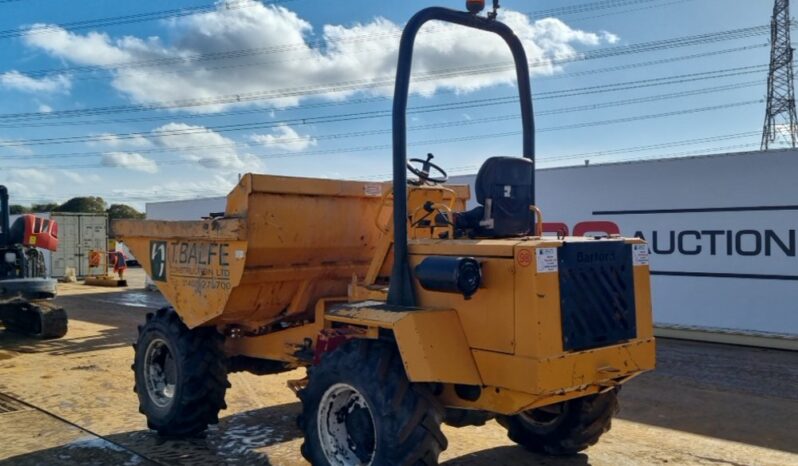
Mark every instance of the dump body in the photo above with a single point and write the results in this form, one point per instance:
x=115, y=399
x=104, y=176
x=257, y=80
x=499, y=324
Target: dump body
x=283, y=244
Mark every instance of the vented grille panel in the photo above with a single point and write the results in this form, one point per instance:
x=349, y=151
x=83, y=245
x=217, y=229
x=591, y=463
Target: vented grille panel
x=596, y=294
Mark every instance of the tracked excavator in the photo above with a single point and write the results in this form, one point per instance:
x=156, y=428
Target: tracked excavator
x=26, y=293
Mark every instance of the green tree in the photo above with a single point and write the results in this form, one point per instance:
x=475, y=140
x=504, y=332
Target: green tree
x=46, y=207
x=123, y=211
x=90, y=204
x=16, y=209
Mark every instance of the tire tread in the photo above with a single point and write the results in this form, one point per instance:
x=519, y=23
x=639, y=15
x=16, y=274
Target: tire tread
x=587, y=419
x=404, y=408
x=204, y=367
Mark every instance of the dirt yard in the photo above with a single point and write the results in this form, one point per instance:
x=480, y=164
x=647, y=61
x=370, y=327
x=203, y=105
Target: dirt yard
x=70, y=402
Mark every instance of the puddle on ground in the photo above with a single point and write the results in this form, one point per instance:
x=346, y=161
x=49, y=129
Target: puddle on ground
x=145, y=299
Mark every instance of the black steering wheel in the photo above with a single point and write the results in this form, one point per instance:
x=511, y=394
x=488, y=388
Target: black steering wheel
x=423, y=173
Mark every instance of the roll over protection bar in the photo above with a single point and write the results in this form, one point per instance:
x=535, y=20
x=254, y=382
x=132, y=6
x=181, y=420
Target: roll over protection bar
x=401, y=292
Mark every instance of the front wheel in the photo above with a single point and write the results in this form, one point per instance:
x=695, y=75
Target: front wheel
x=360, y=409
x=564, y=428
x=181, y=375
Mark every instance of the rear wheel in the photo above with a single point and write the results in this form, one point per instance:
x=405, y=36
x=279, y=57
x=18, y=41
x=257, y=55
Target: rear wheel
x=359, y=408
x=181, y=375
x=564, y=428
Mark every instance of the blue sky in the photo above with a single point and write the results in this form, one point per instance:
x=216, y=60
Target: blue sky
x=305, y=46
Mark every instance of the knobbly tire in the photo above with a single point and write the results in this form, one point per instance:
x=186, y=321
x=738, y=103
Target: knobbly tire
x=181, y=375
x=565, y=428
x=39, y=319
x=359, y=408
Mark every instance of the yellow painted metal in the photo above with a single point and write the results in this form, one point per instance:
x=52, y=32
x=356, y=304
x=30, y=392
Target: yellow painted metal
x=488, y=318
x=503, y=401
x=566, y=371
x=537, y=323
x=282, y=344
x=431, y=342
x=196, y=265
x=435, y=348
x=105, y=280
x=280, y=238
x=463, y=247
x=287, y=247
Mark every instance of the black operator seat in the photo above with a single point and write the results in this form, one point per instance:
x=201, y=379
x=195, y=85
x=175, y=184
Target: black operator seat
x=504, y=192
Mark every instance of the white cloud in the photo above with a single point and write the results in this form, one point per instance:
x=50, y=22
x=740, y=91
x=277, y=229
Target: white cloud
x=91, y=49
x=344, y=55
x=31, y=175
x=129, y=160
x=26, y=184
x=610, y=38
x=20, y=82
x=113, y=141
x=80, y=177
x=45, y=108
x=214, y=185
x=286, y=138
x=204, y=146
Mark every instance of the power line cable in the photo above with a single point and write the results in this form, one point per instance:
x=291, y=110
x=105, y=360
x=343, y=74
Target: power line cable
x=202, y=192
x=698, y=39
x=239, y=4
x=459, y=105
x=344, y=86
x=337, y=136
x=588, y=7
x=608, y=152
x=626, y=12
x=134, y=18
x=387, y=113
x=679, y=79
x=364, y=100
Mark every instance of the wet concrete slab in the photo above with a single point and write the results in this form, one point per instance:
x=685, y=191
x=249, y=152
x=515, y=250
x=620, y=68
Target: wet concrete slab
x=31, y=437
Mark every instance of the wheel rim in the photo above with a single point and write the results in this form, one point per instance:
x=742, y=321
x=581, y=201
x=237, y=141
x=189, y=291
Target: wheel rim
x=346, y=427
x=160, y=373
x=546, y=416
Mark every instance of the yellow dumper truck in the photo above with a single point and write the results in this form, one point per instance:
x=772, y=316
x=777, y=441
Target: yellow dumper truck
x=407, y=310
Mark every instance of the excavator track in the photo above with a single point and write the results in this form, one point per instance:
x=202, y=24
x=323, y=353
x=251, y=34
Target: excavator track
x=39, y=319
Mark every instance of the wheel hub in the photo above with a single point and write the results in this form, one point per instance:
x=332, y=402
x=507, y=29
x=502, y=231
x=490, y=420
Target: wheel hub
x=160, y=373
x=346, y=427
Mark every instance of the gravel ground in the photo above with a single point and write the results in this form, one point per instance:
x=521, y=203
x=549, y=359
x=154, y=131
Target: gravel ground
x=706, y=404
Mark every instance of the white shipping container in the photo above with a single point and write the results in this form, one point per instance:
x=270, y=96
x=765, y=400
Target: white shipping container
x=78, y=233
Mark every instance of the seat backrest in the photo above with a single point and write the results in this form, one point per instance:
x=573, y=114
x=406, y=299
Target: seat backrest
x=504, y=188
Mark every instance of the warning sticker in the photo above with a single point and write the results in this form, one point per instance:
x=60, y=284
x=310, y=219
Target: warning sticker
x=640, y=254
x=373, y=190
x=547, y=260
